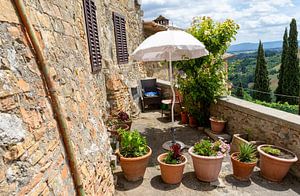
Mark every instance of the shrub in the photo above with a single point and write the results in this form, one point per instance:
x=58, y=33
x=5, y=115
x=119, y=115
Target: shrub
x=132, y=144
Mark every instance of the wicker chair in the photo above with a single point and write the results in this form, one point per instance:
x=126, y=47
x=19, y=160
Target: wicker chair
x=150, y=86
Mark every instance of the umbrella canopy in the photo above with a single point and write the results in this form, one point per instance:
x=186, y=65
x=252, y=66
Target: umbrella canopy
x=172, y=44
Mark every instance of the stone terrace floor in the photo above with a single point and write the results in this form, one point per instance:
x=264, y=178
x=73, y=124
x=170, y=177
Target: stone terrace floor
x=156, y=130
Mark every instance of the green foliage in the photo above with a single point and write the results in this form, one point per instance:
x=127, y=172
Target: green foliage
x=271, y=151
x=291, y=73
x=261, y=79
x=207, y=148
x=204, y=77
x=132, y=144
x=174, y=156
x=247, y=153
x=280, y=106
x=284, y=62
x=240, y=91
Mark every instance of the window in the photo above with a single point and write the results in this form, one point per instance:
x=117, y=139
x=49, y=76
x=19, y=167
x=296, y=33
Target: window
x=92, y=34
x=120, y=36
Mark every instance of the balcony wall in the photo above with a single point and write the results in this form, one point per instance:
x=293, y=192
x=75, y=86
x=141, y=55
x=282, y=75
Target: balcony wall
x=261, y=123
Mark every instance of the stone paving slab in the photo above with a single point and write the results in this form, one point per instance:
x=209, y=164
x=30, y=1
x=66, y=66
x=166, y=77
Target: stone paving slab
x=157, y=131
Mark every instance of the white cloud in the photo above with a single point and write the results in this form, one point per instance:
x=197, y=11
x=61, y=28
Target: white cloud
x=255, y=17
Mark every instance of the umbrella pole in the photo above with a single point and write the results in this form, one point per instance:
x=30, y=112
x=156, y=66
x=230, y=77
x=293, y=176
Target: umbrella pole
x=173, y=98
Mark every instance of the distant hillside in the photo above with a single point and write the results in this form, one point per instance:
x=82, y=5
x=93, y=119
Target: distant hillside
x=254, y=46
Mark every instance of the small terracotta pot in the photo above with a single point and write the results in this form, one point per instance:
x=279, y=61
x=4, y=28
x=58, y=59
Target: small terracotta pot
x=171, y=173
x=184, y=117
x=274, y=168
x=134, y=168
x=207, y=169
x=241, y=170
x=217, y=126
x=129, y=123
x=192, y=121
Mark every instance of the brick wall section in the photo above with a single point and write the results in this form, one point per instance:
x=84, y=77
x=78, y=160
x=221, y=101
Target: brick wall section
x=32, y=158
x=261, y=123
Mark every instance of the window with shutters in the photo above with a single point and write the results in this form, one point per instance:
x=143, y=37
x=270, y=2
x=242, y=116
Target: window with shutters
x=92, y=34
x=120, y=36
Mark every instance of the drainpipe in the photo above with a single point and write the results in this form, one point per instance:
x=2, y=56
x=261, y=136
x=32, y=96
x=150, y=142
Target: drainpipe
x=56, y=106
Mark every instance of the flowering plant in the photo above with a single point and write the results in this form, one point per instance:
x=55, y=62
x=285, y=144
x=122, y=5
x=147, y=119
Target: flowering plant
x=207, y=148
x=174, y=155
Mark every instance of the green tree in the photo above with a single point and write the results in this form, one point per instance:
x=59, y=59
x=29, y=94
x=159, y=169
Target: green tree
x=261, y=80
x=204, y=77
x=240, y=91
x=284, y=62
x=291, y=74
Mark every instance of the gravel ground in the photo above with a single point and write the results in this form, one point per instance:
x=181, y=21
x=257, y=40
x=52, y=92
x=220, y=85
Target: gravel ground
x=157, y=131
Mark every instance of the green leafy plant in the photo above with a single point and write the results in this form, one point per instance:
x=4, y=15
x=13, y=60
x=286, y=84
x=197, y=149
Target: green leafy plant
x=204, y=78
x=207, y=148
x=132, y=144
x=247, y=153
x=174, y=155
x=271, y=151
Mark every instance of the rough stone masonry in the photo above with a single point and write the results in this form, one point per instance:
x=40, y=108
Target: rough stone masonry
x=32, y=156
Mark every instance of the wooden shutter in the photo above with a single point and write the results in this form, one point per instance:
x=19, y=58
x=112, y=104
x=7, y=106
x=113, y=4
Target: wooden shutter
x=92, y=34
x=120, y=36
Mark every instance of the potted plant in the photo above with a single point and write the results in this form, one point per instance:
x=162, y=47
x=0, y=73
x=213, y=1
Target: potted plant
x=172, y=165
x=192, y=121
x=207, y=159
x=134, y=155
x=275, y=162
x=217, y=124
x=184, y=116
x=244, y=161
x=123, y=117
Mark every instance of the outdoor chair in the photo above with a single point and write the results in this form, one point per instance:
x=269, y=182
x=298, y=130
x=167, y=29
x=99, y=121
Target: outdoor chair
x=150, y=93
x=167, y=103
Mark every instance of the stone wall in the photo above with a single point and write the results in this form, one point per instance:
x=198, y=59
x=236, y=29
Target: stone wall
x=32, y=156
x=261, y=123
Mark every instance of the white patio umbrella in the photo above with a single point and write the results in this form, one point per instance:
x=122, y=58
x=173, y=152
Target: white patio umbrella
x=170, y=45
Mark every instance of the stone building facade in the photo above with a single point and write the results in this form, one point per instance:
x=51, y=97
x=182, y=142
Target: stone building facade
x=32, y=155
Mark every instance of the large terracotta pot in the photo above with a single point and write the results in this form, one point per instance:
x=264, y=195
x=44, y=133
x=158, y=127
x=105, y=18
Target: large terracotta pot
x=207, y=169
x=217, y=125
x=241, y=170
x=171, y=173
x=192, y=121
x=134, y=168
x=274, y=168
x=184, y=117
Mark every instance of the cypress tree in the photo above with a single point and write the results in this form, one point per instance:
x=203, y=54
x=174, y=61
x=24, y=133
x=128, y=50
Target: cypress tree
x=240, y=91
x=261, y=80
x=284, y=61
x=291, y=74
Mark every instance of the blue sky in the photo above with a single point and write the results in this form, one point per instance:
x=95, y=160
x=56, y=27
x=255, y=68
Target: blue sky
x=258, y=19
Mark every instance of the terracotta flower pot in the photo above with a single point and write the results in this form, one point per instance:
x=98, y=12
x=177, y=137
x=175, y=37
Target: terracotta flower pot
x=184, y=117
x=217, y=125
x=128, y=122
x=115, y=128
x=134, y=168
x=207, y=169
x=192, y=121
x=241, y=170
x=275, y=168
x=171, y=173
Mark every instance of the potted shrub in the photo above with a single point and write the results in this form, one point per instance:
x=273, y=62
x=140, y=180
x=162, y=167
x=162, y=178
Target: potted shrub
x=244, y=161
x=134, y=155
x=192, y=121
x=207, y=159
x=184, y=117
x=172, y=165
x=217, y=124
x=275, y=162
